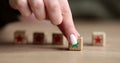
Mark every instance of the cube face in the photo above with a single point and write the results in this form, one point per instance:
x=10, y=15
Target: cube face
x=98, y=38
x=57, y=39
x=19, y=37
x=79, y=47
x=38, y=38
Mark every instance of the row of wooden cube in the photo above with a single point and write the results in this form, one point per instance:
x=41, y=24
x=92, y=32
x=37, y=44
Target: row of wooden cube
x=98, y=38
x=38, y=38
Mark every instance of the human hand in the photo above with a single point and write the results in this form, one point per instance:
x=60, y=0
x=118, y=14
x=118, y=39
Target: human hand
x=58, y=11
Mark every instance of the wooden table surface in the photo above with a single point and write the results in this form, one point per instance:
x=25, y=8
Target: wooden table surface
x=10, y=53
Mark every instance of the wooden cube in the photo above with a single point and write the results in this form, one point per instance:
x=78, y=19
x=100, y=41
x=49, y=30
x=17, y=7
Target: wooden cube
x=20, y=37
x=57, y=39
x=78, y=47
x=38, y=38
x=98, y=38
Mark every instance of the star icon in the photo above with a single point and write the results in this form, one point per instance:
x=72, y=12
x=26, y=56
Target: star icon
x=75, y=45
x=19, y=38
x=38, y=38
x=57, y=38
x=98, y=39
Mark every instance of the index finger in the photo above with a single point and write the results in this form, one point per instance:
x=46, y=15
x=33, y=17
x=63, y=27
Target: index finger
x=67, y=26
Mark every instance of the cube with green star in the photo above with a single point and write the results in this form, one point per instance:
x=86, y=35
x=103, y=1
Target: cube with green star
x=78, y=46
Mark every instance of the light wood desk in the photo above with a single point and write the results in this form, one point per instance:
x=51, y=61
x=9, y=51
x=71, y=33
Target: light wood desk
x=57, y=54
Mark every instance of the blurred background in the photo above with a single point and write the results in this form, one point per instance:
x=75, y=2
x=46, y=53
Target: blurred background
x=88, y=11
x=81, y=9
x=95, y=9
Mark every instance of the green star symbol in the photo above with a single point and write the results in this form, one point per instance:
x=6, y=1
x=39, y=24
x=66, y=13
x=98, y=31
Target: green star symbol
x=75, y=45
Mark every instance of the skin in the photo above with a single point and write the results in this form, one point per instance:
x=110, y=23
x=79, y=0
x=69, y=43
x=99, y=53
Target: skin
x=57, y=11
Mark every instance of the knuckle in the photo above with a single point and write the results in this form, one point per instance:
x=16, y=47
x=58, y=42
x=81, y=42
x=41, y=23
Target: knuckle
x=12, y=4
x=57, y=20
x=53, y=7
x=65, y=11
x=38, y=4
x=21, y=3
x=40, y=17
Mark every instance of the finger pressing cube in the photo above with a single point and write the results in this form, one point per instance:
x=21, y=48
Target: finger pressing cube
x=78, y=46
x=98, y=38
x=57, y=39
x=38, y=38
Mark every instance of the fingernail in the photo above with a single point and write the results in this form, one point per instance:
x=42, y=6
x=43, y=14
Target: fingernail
x=73, y=39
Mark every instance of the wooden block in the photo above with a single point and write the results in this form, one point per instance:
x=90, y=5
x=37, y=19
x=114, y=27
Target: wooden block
x=20, y=37
x=38, y=38
x=57, y=39
x=98, y=38
x=78, y=47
